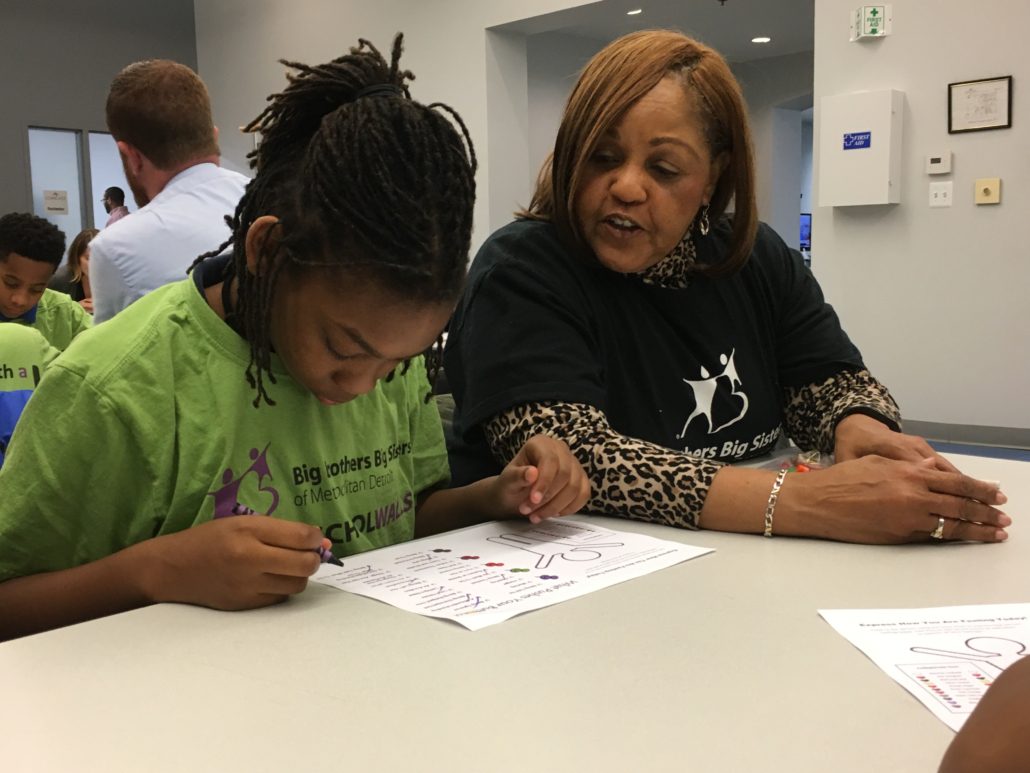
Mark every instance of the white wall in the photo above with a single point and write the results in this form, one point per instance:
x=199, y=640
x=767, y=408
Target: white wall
x=936, y=299
x=806, y=166
x=777, y=89
x=554, y=63
x=447, y=47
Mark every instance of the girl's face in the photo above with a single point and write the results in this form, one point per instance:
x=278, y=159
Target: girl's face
x=84, y=263
x=645, y=181
x=337, y=337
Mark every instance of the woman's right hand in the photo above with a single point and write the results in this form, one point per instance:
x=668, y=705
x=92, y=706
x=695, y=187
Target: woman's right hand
x=87, y=305
x=874, y=500
x=232, y=563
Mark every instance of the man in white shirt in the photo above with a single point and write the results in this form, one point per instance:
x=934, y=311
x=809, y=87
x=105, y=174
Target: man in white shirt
x=159, y=113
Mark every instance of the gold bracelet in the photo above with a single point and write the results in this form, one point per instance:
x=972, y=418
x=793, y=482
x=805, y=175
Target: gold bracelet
x=770, y=506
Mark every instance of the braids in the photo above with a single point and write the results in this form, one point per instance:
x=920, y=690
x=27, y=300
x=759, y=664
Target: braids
x=359, y=176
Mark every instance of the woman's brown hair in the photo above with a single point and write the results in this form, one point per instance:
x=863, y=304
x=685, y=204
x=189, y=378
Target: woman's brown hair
x=78, y=247
x=619, y=75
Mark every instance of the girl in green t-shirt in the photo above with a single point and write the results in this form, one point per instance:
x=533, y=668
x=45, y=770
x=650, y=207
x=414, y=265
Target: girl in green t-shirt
x=348, y=252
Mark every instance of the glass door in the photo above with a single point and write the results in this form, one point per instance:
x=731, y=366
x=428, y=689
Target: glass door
x=56, y=167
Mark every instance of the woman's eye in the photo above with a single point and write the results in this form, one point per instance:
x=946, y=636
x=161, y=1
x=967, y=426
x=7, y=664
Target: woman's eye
x=603, y=157
x=665, y=171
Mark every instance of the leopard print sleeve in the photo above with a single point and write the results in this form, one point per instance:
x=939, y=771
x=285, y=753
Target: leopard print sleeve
x=811, y=412
x=628, y=477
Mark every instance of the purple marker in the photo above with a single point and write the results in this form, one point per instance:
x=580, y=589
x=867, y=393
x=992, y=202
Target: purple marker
x=327, y=555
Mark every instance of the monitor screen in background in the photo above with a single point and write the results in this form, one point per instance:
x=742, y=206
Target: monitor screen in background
x=806, y=231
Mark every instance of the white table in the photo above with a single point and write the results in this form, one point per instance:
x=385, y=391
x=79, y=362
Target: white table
x=717, y=664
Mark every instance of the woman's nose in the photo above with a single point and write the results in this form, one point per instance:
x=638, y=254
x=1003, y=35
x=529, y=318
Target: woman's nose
x=628, y=186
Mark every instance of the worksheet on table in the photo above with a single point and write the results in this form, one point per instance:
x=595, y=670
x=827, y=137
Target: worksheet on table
x=488, y=573
x=946, y=657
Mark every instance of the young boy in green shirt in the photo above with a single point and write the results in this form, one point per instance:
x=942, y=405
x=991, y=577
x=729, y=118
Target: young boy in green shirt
x=30, y=252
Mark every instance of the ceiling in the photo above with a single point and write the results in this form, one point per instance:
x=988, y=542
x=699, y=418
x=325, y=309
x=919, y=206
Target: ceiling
x=727, y=27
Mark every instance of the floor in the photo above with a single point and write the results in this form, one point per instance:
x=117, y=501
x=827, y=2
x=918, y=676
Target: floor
x=995, y=452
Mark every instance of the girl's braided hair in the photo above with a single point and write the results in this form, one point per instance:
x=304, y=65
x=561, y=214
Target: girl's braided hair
x=360, y=177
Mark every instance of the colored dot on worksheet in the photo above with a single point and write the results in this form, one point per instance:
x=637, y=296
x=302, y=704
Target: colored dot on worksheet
x=469, y=558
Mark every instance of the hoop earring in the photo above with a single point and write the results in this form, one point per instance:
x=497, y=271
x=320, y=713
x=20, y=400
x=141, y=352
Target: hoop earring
x=702, y=221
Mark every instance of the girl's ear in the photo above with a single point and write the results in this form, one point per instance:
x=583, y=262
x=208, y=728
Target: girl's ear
x=262, y=240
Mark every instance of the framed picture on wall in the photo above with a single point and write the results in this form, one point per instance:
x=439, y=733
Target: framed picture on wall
x=981, y=104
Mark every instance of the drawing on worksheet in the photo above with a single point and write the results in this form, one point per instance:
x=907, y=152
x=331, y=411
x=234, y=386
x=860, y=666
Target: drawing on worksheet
x=488, y=573
x=990, y=653
x=946, y=657
x=546, y=550
x=959, y=681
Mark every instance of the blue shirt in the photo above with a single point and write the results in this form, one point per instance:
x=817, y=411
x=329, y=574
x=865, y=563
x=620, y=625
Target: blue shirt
x=160, y=241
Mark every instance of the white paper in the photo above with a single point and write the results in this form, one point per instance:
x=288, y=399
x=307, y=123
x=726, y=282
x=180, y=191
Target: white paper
x=488, y=573
x=946, y=657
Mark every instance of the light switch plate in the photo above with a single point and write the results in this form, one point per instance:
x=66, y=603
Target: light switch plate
x=987, y=190
x=940, y=194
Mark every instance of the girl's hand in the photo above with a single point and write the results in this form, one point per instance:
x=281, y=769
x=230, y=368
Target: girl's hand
x=542, y=481
x=875, y=500
x=87, y=305
x=233, y=563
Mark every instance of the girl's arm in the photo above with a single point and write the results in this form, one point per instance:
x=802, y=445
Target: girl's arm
x=543, y=480
x=230, y=563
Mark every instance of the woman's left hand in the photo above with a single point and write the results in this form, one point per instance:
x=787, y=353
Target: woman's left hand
x=859, y=435
x=542, y=481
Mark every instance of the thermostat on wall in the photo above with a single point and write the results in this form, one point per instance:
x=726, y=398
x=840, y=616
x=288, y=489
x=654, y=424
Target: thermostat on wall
x=938, y=163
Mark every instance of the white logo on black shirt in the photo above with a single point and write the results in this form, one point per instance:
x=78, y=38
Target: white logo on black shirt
x=705, y=389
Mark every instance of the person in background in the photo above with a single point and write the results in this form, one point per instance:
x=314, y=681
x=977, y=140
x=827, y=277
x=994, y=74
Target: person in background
x=627, y=314
x=78, y=269
x=996, y=736
x=24, y=356
x=30, y=252
x=159, y=114
x=283, y=378
x=114, y=204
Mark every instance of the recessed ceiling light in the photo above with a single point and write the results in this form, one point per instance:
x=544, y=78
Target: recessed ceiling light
x=634, y=13
x=761, y=40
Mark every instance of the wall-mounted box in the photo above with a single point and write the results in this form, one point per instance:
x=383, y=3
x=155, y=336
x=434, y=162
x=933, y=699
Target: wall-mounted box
x=860, y=148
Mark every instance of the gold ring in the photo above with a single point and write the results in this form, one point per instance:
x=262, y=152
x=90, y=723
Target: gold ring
x=938, y=533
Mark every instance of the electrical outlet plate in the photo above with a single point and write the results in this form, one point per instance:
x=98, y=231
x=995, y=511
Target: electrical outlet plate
x=987, y=190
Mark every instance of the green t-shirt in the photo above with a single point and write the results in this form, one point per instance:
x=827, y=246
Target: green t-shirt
x=60, y=319
x=24, y=355
x=147, y=426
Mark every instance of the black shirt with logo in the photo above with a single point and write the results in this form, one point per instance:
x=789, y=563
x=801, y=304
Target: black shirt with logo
x=699, y=369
